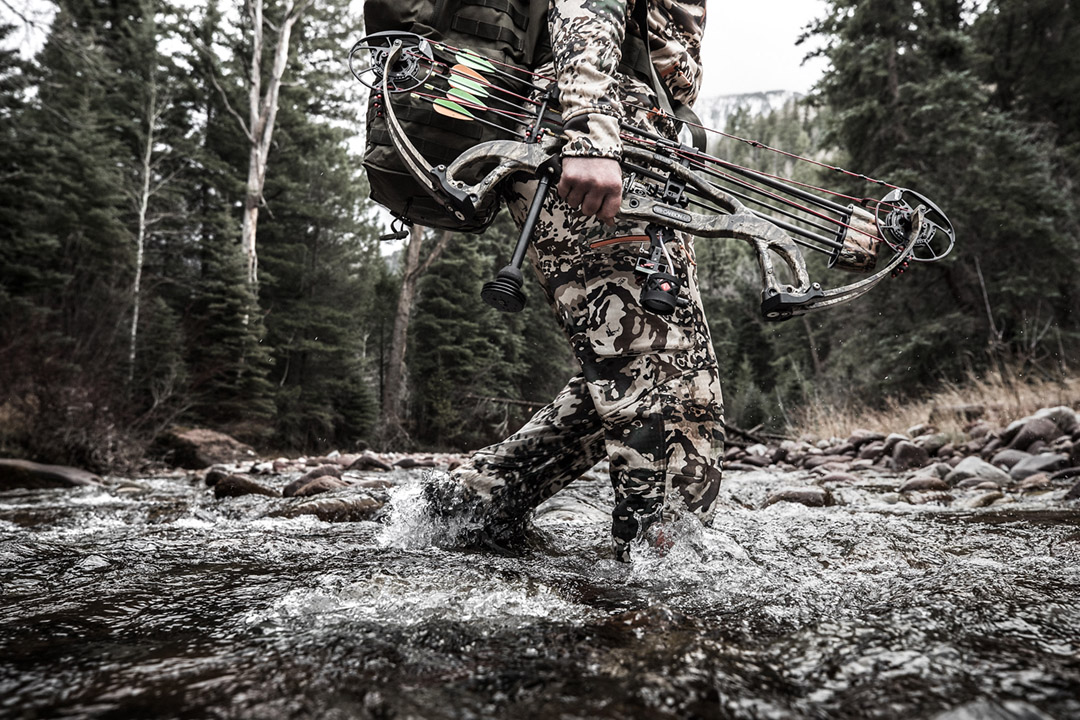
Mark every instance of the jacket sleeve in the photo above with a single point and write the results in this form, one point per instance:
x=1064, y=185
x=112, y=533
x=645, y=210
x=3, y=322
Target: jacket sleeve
x=586, y=39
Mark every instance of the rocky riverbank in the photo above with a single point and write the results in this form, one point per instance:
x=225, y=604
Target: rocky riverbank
x=1035, y=457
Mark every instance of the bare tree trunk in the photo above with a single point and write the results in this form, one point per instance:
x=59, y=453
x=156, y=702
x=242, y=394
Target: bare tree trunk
x=392, y=429
x=262, y=114
x=140, y=234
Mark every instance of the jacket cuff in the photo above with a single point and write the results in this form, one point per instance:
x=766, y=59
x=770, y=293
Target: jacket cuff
x=592, y=134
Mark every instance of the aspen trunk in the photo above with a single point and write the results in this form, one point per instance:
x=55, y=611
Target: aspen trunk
x=262, y=113
x=393, y=399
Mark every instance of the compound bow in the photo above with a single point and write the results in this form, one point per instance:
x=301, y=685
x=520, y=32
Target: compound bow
x=666, y=184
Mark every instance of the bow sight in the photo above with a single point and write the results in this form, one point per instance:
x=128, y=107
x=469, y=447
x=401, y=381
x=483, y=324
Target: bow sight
x=667, y=186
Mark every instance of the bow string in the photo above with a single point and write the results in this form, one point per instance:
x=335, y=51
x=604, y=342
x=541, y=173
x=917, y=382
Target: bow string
x=665, y=183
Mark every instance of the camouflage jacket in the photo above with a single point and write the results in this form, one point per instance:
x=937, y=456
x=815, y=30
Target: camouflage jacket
x=587, y=37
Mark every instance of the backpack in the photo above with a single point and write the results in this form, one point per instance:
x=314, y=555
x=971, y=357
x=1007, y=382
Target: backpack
x=507, y=31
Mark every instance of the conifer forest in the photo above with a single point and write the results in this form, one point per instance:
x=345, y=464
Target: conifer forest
x=186, y=236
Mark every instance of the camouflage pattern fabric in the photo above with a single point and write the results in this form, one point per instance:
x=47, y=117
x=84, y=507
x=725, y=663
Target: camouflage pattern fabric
x=587, y=37
x=648, y=395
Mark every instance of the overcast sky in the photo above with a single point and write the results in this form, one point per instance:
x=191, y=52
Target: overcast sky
x=750, y=46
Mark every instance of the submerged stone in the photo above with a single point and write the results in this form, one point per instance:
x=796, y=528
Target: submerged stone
x=23, y=474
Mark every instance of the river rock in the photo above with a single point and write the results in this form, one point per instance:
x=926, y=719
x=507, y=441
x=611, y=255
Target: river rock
x=816, y=460
x=326, y=483
x=238, y=485
x=406, y=463
x=976, y=467
x=367, y=462
x=983, y=499
x=907, y=455
x=197, y=448
x=892, y=440
x=1067, y=419
x=1008, y=458
x=837, y=478
x=1073, y=494
x=1038, y=481
x=1048, y=463
x=932, y=442
x=1033, y=429
x=858, y=438
x=924, y=483
x=872, y=450
x=335, y=509
x=809, y=496
x=1066, y=473
x=321, y=471
x=23, y=474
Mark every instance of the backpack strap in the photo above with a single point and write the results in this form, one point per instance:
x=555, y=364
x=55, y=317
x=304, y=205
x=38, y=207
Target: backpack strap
x=637, y=57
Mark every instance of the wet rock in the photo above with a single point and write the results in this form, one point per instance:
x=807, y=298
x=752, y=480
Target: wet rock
x=1067, y=419
x=238, y=485
x=1073, y=494
x=892, y=440
x=976, y=467
x=983, y=499
x=927, y=498
x=809, y=496
x=757, y=461
x=977, y=483
x=293, y=488
x=367, y=462
x=406, y=463
x=1066, y=473
x=938, y=469
x=198, y=448
x=1049, y=462
x=337, y=509
x=858, y=438
x=1036, y=428
x=816, y=460
x=978, y=430
x=907, y=455
x=1038, y=481
x=932, y=442
x=215, y=475
x=23, y=474
x=325, y=483
x=1008, y=458
x=872, y=450
x=924, y=483
x=837, y=478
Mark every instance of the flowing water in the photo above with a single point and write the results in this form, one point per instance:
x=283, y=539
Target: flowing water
x=153, y=599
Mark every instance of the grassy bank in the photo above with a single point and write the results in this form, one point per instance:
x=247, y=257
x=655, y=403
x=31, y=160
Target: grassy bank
x=997, y=398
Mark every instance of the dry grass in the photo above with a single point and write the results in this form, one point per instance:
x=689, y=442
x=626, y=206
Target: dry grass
x=997, y=397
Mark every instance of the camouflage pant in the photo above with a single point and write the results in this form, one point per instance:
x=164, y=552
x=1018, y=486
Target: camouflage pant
x=647, y=397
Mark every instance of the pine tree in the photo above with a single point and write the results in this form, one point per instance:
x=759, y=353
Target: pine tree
x=906, y=106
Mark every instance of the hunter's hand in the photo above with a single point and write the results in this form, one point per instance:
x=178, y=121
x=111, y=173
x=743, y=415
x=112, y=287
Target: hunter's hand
x=592, y=184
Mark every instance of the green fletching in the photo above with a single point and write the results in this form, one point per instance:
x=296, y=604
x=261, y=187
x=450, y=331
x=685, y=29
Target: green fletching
x=470, y=85
x=451, y=109
x=474, y=61
x=469, y=99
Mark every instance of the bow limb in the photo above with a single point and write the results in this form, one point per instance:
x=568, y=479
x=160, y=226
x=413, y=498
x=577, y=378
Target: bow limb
x=414, y=161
